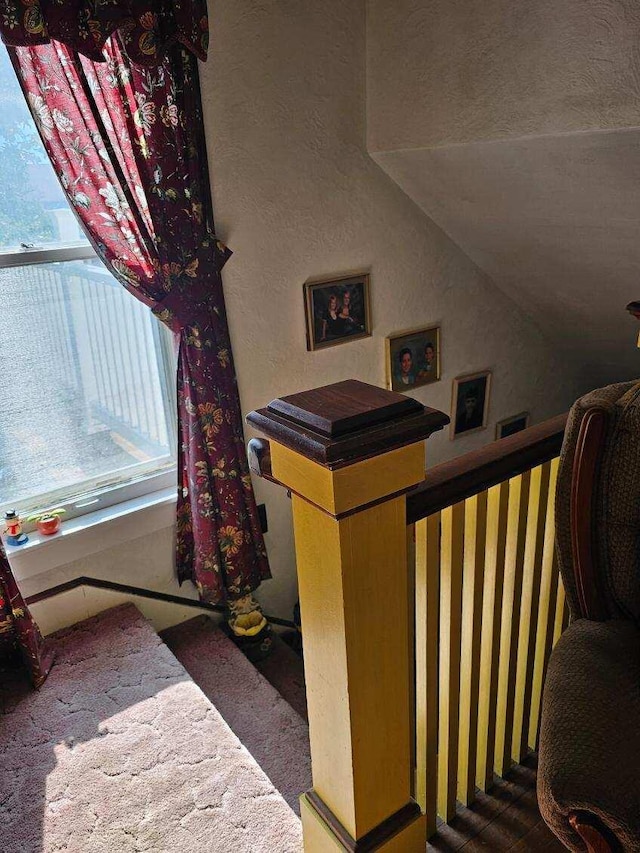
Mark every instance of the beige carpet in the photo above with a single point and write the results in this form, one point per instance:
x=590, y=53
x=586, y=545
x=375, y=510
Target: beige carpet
x=275, y=735
x=120, y=751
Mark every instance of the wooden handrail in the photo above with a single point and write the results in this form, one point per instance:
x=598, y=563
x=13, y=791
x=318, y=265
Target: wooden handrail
x=460, y=478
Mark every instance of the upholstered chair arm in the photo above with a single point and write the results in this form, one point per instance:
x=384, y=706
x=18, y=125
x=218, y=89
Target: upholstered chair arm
x=589, y=750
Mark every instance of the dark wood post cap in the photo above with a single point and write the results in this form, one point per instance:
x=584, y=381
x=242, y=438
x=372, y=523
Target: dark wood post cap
x=346, y=422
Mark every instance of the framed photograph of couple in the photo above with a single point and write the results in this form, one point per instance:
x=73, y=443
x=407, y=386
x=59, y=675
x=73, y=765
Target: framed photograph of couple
x=413, y=358
x=337, y=311
x=470, y=403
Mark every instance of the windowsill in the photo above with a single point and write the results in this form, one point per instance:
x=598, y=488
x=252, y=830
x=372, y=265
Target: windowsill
x=95, y=531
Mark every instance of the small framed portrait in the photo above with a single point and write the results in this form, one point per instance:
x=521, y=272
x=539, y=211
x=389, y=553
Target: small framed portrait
x=337, y=311
x=470, y=403
x=413, y=358
x=509, y=426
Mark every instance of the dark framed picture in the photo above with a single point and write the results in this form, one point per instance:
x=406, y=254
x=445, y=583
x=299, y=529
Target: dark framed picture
x=413, y=358
x=509, y=426
x=470, y=403
x=337, y=311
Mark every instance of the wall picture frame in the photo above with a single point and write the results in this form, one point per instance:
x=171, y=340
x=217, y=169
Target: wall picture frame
x=337, y=310
x=413, y=358
x=470, y=403
x=512, y=425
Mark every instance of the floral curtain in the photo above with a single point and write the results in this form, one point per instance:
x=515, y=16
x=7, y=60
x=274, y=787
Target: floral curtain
x=128, y=144
x=148, y=28
x=17, y=628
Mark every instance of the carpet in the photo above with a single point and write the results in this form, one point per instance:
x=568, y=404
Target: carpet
x=275, y=735
x=120, y=751
x=284, y=668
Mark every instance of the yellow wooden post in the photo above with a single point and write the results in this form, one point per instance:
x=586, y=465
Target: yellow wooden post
x=348, y=453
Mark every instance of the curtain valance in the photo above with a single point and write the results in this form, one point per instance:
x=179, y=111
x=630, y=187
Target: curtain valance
x=147, y=27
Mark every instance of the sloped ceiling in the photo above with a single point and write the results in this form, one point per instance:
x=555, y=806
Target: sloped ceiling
x=536, y=176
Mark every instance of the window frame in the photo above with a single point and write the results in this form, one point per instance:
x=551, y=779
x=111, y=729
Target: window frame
x=103, y=491
x=51, y=254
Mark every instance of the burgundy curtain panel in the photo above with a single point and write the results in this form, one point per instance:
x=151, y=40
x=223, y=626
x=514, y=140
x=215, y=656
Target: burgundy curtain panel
x=17, y=628
x=121, y=119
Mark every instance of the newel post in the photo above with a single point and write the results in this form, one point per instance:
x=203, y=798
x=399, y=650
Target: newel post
x=348, y=453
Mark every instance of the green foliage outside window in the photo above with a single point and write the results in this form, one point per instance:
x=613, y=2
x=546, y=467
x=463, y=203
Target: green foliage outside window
x=23, y=218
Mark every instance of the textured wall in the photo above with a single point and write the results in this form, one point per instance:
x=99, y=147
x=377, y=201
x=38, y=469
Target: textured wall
x=515, y=126
x=146, y=562
x=554, y=221
x=297, y=196
x=448, y=71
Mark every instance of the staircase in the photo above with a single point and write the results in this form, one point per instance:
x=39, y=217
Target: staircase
x=261, y=718
x=128, y=747
x=253, y=705
x=121, y=751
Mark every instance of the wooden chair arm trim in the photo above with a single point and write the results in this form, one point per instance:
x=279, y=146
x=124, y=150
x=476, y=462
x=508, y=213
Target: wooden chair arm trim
x=597, y=837
x=586, y=464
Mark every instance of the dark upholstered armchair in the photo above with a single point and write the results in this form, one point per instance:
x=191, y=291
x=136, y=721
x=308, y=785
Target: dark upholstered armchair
x=589, y=757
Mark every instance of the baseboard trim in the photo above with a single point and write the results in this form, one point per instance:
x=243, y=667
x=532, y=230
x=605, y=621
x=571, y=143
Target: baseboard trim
x=375, y=838
x=99, y=583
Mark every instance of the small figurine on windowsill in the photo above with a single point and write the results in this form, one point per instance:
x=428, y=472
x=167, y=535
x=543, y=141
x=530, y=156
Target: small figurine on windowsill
x=13, y=530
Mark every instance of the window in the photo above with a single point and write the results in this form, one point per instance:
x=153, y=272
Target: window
x=87, y=410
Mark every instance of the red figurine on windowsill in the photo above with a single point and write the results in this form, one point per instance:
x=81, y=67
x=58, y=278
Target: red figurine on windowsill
x=13, y=530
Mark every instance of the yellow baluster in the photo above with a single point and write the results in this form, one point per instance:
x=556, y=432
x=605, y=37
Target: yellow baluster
x=545, y=625
x=514, y=561
x=475, y=533
x=529, y=607
x=497, y=515
x=452, y=550
x=561, y=607
x=427, y=598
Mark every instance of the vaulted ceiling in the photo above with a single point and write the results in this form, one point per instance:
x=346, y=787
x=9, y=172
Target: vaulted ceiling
x=515, y=126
